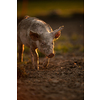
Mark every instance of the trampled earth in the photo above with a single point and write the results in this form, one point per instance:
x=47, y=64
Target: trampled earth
x=63, y=79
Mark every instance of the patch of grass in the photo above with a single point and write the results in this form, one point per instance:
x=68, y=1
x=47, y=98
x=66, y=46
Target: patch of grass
x=63, y=38
x=61, y=44
x=64, y=44
x=74, y=37
x=63, y=47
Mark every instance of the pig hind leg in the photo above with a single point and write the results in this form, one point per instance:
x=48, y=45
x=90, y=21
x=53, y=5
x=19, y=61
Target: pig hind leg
x=20, y=51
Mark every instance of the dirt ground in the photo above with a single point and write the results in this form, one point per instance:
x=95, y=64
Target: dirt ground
x=63, y=79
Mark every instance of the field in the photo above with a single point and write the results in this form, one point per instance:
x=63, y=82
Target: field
x=63, y=7
x=63, y=79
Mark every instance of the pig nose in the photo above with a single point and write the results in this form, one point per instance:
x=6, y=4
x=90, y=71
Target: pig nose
x=51, y=55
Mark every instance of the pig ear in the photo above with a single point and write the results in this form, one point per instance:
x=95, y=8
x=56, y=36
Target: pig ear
x=34, y=36
x=56, y=33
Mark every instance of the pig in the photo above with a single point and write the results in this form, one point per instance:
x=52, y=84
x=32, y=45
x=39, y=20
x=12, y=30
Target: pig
x=36, y=34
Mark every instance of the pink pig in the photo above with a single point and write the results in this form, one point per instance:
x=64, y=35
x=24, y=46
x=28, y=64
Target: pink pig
x=35, y=33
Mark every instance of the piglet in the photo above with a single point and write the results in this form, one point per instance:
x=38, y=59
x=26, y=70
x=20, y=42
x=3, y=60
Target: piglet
x=36, y=34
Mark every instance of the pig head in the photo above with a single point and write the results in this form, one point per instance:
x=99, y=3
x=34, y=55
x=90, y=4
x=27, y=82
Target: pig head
x=36, y=34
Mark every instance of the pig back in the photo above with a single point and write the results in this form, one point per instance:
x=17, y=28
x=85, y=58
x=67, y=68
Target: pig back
x=34, y=24
x=40, y=27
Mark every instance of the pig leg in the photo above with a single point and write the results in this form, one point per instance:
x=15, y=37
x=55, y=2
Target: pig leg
x=20, y=50
x=46, y=62
x=34, y=58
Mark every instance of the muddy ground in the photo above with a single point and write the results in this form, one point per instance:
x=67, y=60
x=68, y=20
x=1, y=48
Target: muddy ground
x=63, y=79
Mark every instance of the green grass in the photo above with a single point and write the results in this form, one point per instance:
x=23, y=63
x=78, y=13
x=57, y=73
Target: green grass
x=68, y=47
x=64, y=8
x=74, y=37
x=67, y=44
x=63, y=47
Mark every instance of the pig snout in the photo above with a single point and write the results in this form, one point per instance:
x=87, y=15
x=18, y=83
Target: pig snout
x=51, y=55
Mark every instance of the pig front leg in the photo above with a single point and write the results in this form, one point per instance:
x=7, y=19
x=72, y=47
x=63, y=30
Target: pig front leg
x=20, y=51
x=46, y=62
x=34, y=58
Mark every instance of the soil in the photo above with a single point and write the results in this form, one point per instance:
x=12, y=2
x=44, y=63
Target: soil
x=63, y=79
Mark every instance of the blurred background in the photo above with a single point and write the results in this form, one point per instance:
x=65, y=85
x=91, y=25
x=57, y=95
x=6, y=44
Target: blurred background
x=63, y=79
x=56, y=13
